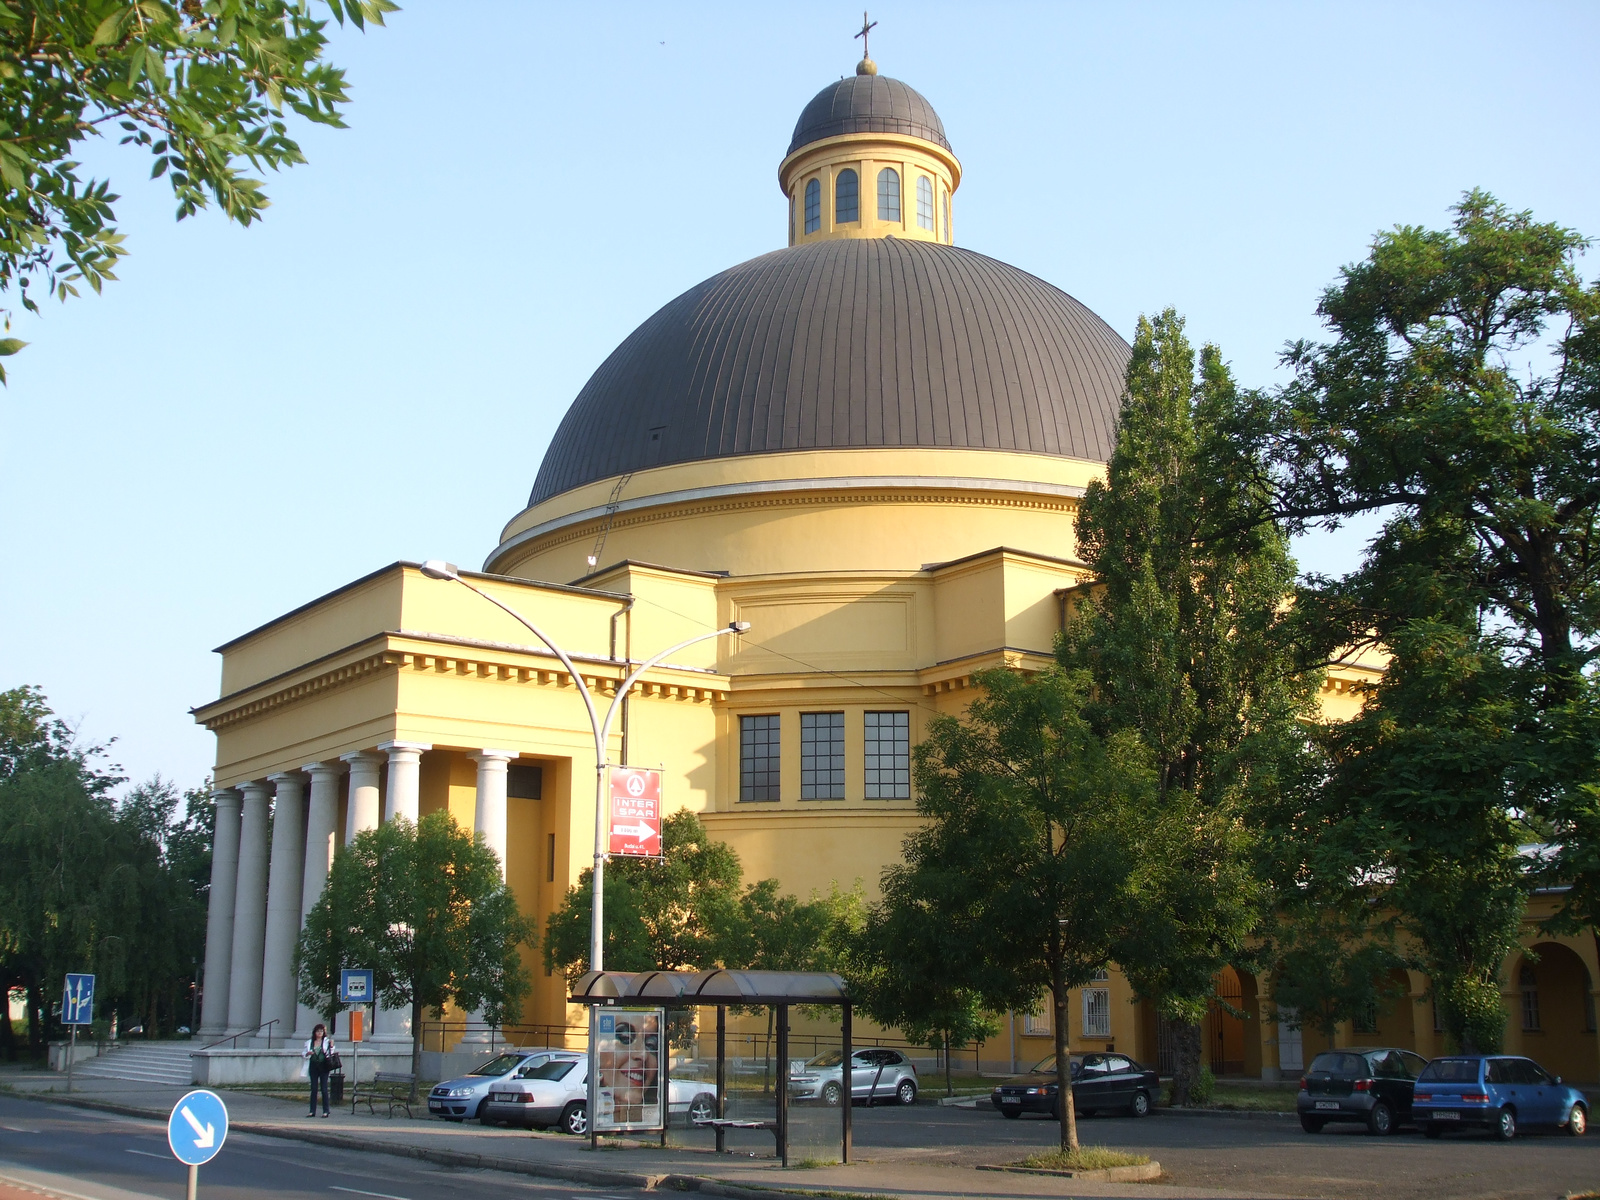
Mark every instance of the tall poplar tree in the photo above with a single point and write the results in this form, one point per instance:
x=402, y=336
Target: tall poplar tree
x=1184, y=632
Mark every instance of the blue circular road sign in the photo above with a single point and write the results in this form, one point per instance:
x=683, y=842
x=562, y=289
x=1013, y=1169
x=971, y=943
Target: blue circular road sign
x=197, y=1127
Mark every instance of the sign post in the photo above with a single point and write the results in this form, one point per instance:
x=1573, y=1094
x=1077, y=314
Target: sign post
x=195, y=1131
x=355, y=987
x=635, y=812
x=77, y=1008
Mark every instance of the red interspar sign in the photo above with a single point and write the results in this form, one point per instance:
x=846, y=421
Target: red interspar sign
x=635, y=811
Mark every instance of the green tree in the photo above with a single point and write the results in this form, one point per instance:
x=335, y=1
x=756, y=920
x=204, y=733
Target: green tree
x=678, y=912
x=1027, y=869
x=203, y=85
x=425, y=907
x=1459, y=396
x=1183, y=632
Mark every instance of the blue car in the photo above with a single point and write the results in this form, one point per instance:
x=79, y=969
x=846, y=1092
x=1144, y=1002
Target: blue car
x=1497, y=1092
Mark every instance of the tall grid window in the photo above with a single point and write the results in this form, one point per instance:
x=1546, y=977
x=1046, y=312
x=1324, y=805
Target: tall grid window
x=846, y=197
x=1530, y=998
x=888, y=194
x=888, y=761
x=924, y=202
x=759, y=746
x=813, y=205
x=1096, y=1013
x=822, y=756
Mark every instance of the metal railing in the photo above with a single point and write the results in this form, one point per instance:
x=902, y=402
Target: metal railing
x=233, y=1039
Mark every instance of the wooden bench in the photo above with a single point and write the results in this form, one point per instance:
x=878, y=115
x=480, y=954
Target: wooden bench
x=388, y=1087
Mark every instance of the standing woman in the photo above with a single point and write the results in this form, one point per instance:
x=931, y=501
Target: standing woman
x=320, y=1055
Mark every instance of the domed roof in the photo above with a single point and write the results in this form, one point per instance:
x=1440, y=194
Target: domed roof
x=858, y=342
x=867, y=104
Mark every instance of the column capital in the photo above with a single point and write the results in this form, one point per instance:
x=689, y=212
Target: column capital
x=226, y=796
x=394, y=748
x=332, y=766
x=260, y=786
x=493, y=756
x=282, y=777
x=361, y=756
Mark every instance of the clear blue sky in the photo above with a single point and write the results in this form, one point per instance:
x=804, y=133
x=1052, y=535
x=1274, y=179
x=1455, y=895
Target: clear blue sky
x=250, y=418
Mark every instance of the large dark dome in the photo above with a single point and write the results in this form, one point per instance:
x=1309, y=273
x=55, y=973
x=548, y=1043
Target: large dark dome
x=867, y=104
x=856, y=342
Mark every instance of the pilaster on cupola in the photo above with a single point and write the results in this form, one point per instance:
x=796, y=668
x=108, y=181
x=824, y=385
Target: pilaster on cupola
x=219, y=911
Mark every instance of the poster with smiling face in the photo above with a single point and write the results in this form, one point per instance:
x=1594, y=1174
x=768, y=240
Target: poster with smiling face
x=628, y=1048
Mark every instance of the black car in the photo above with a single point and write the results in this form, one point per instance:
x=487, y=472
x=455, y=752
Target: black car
x=1100, y=1083
x=1373, y=1087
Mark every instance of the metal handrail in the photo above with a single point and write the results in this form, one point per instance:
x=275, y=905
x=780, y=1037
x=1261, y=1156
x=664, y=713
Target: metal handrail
x=234, y=1039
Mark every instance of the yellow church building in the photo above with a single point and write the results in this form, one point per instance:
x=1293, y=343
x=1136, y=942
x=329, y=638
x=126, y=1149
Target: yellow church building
x=869, y=445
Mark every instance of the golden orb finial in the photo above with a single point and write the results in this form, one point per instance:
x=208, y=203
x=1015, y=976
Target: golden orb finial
x=866, y=67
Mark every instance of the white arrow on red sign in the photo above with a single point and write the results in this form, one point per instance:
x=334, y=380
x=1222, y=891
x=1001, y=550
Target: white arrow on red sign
x=640, y=832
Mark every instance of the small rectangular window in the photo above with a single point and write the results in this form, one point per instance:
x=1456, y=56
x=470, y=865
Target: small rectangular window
x=1037, y=1024
x=550, y=859
x=1530, y=1009
x=524, y=783
x=1096, y=1013
x=1366, y=1021
x=759, y=746
x=822, y=756
x=888, y=755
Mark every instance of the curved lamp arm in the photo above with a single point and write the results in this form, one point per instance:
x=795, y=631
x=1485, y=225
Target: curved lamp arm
x=436, y=569
x=654, y=660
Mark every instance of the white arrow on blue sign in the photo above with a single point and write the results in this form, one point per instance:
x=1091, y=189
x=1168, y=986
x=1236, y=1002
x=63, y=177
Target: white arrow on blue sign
x=77, y=1000
x=197, y=1127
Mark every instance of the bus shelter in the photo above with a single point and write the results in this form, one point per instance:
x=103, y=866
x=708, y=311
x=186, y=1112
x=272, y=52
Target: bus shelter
x=779, y=990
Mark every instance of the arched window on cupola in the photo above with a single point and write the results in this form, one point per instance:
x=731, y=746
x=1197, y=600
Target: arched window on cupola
x=813, y=205
x=924, y=203
x=888, y=194
x=846, y=197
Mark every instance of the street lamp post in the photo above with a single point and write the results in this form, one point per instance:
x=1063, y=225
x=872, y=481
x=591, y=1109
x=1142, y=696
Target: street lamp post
x=435, y=569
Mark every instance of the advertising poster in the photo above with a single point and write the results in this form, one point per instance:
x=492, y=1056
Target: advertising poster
x=628, y=1049
x=635, y=812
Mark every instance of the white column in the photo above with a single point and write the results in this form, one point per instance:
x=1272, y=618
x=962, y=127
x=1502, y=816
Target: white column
x=283, y=903
x=249, y=910
x=405, y=779
x=321, y=821
x=489, y=819
x=402, y=798
x=362, y=810
x=219, y=911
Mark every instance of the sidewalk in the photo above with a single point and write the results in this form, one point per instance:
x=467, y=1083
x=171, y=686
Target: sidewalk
x=879, y=1172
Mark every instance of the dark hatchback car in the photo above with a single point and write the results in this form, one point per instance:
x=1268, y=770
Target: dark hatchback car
x=1100, y=1083
x=1373, y=1087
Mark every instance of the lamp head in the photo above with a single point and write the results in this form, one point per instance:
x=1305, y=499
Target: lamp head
x=437, y=568
x=739, y=626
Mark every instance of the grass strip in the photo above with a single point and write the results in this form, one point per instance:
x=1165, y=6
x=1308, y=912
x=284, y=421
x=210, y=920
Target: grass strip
x=1086, y=1158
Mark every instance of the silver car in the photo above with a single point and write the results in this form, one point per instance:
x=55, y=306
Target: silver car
x=462, y=1099
x=876, y=1074
x=556, y=1092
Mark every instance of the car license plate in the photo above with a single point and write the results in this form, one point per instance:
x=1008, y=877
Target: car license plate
x=1446, y=1116
x=1010, y=1099
x=1333, y=1104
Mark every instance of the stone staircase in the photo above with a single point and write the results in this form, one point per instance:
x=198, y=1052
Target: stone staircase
x=144, y=1062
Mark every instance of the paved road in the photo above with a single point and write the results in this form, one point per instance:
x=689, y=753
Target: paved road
x=99, y=1151
x=1263, y=1155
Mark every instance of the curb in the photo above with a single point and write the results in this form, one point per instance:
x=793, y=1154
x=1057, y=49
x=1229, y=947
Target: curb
x=1149, y=1170
x=1248, y=1114
x=670, y=1181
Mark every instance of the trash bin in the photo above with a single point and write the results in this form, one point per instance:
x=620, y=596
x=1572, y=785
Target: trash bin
x=336, y=1087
